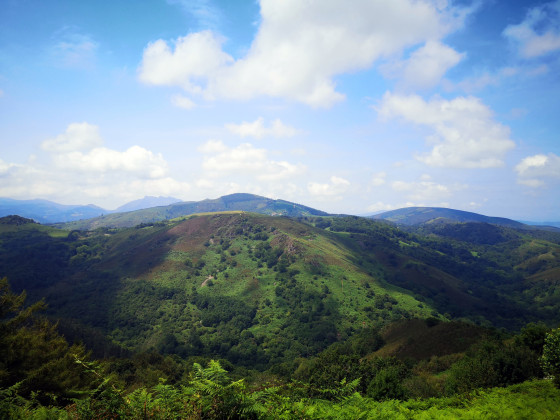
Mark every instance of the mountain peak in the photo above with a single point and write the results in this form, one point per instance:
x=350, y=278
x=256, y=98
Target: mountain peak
x=147, y=202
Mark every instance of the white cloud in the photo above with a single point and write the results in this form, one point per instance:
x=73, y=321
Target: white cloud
x=465, y=134
x=213, y=146
x=194, y=58
x=245, y=159
x=5, y=168
x=78, y=170
x=78, y=136
x=78, y=149
x=135, y=160
x=181, y=101
x=332, y=190
x=258, y=130
x=300, y=47
x=427, y=65
x=539, y=33
x=532, y=169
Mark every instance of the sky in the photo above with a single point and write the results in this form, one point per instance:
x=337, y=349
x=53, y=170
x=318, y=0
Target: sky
x=350, y=107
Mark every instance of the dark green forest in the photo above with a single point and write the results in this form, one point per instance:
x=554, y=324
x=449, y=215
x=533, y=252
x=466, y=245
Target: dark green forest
x=240, y=315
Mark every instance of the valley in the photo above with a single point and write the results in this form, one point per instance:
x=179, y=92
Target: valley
x=294, y=298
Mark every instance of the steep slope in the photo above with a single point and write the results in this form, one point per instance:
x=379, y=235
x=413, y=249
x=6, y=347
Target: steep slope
x=241, y=202
x=421, y=339
x=475, y=277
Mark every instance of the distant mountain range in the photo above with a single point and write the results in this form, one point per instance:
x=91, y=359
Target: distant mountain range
x=413, y=216
x=145, y=203
x=233, y=202
x=152, y=209
x=44, y=211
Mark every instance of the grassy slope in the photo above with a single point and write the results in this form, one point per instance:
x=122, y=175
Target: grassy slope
x=236, y=273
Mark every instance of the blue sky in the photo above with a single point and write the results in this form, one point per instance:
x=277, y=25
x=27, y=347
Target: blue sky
x=351, y=107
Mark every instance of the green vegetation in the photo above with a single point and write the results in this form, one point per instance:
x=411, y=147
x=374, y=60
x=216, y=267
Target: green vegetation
x=551, y=355
x=319, y=317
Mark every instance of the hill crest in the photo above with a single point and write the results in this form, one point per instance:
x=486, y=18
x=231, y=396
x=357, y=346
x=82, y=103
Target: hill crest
x=232, y=202
x=411, y=216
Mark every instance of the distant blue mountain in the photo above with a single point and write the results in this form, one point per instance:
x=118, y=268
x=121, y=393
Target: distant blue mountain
x=44, y=211
x=146, y=203
x=416, y=216
x=543, y=224
x=420, y=215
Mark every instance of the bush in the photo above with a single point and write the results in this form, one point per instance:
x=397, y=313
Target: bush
x=491, y=364
x=550, y=359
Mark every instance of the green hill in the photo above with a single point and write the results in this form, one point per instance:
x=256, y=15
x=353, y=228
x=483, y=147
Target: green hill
x=232, y=202
x=338, y=312
x=198, y=285
x=258, y=289
x=420, y=215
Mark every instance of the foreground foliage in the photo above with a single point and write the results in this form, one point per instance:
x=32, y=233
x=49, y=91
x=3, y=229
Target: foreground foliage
x=210, y=394
x=42, y=377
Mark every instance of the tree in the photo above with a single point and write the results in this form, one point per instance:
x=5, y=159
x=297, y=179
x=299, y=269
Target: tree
x=36, y=361
x=550, y=359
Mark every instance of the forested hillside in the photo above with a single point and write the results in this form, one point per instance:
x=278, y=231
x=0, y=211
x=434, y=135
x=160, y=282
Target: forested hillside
x=316, y=307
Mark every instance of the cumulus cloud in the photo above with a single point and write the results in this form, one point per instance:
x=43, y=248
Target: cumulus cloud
x=427, y=65
x=221, y=160
x=135, y=160
x=78, y=136
x=301, y=46
x=192, y=59
x=464, y=131
x=79, y=169
x=258, y=130
x=539, y=33
x=330, y=190
x=533, y=169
